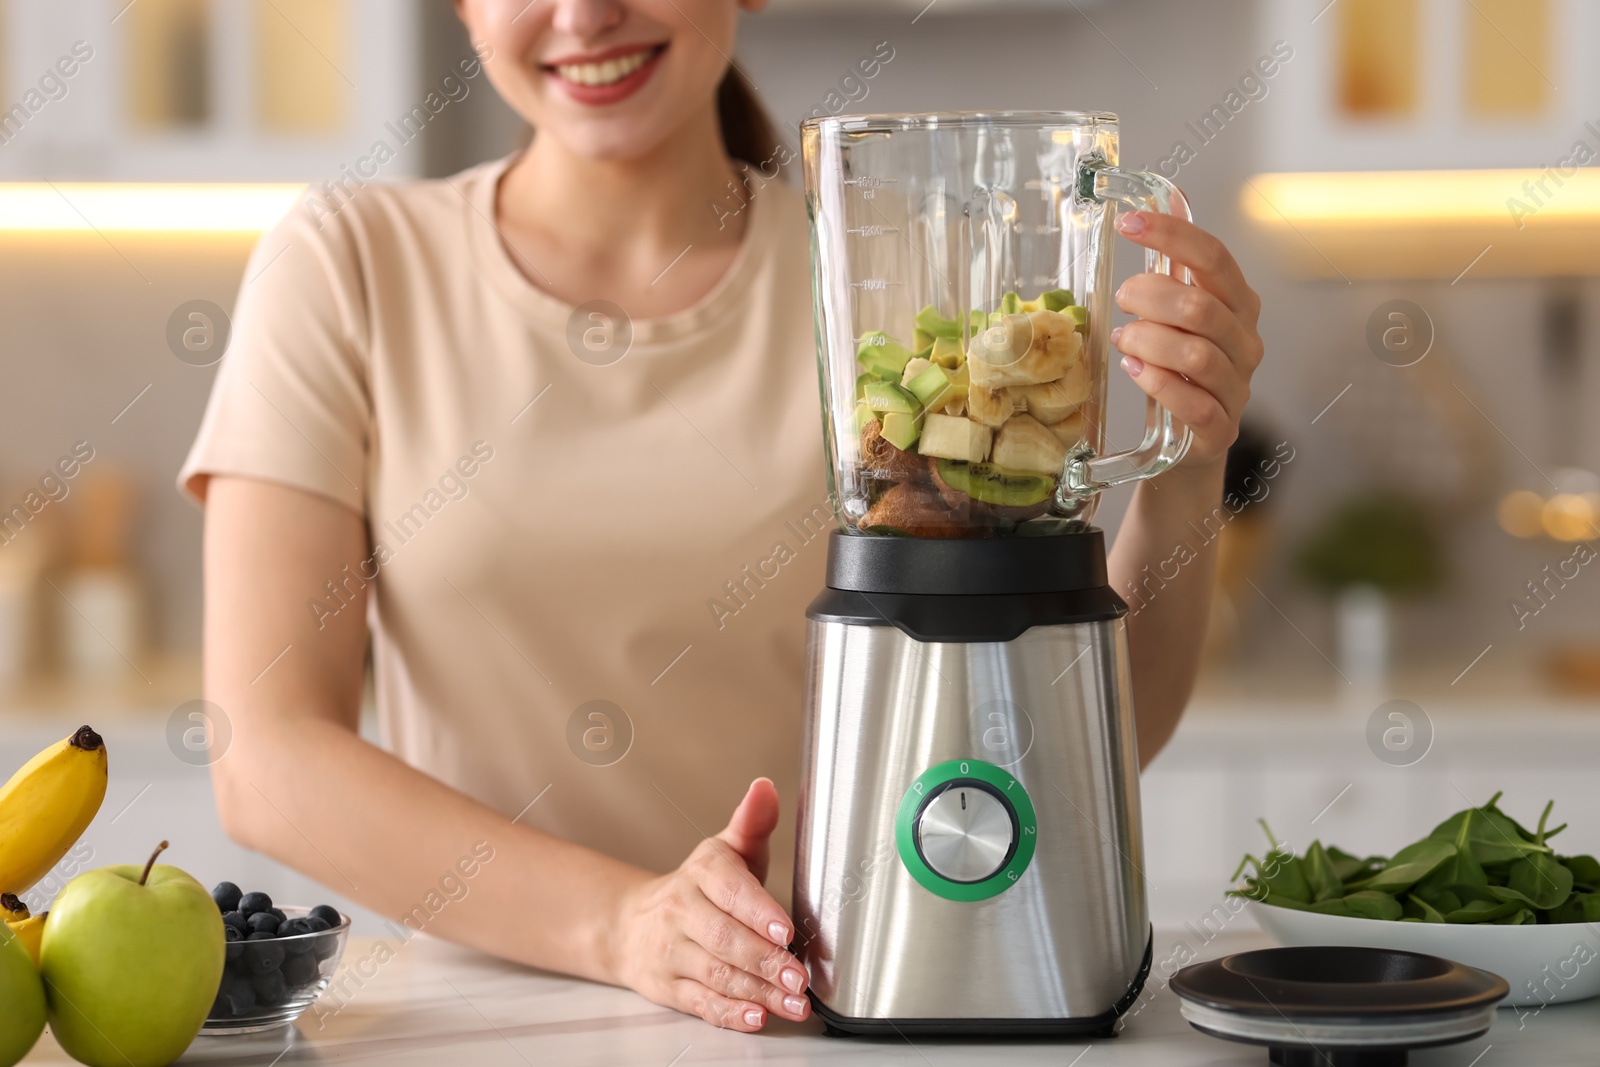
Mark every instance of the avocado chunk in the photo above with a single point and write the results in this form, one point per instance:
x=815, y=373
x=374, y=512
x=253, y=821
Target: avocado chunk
x=882, y=356
x=921, y=339
x=902, y=429
x=947, y=353
x=929, y=386
x=861, y=384
x=1011, y=304
x=1055, y=299
x=1079, y=315
x=930, y=322
x=994, y=484
x=951, y=437
x=864, y=417
x=886, y=396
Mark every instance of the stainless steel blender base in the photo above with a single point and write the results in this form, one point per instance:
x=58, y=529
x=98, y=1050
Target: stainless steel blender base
x=1056, y=940
x=1103, y=1025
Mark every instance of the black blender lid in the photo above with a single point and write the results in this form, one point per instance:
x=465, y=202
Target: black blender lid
x=1334, y=1006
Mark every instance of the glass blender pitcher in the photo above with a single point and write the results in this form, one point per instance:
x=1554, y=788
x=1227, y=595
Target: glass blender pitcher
x=968, y=842
x=962, y=274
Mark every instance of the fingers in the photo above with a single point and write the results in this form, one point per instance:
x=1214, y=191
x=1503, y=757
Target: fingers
x=1190, y=404
x=1159, y=298
x=731, y=941
x=718, y=1010
x=1213, y=266
x=1190, y=355
x=736, y=983
x=752, y=824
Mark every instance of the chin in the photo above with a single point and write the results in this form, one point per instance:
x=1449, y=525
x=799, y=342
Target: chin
x=615, y=141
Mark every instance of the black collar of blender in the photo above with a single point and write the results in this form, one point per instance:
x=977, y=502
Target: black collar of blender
x=990, y=566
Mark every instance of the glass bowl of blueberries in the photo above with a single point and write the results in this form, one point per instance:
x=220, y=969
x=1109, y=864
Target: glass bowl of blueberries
x=280, y=959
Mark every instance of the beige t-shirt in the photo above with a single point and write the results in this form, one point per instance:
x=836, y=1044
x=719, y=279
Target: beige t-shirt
x=549, y=530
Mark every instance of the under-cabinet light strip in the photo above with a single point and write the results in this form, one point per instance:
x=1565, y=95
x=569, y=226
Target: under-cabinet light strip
x=144, y=207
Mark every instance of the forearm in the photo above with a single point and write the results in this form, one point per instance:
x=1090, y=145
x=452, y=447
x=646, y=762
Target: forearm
x=1162, y=564
x=342, y=811
x=299, y=784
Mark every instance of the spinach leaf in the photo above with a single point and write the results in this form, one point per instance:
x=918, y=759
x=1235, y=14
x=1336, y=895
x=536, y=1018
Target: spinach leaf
x=1321, y=878
x=1482, y=911
x=1408, y=866
x=1280, y=872
x=1349, y=868
x=1461, y=870
x=1417, y=908
x=1371, y=904
x=1541, y=880
x=1494, y=836
x=1585, y=871
x=1578, y=908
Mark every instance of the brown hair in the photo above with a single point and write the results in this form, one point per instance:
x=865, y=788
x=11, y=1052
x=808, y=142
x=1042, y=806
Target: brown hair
x=747, y=130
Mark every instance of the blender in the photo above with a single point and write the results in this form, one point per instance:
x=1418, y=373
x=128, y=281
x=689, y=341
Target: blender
x=969, y=856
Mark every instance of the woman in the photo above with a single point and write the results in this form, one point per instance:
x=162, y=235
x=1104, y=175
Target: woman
x=548, y=528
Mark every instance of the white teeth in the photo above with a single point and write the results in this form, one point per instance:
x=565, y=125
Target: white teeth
x=608, y=73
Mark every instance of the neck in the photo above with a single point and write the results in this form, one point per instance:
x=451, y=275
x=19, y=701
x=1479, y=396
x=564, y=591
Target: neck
x=662, y=198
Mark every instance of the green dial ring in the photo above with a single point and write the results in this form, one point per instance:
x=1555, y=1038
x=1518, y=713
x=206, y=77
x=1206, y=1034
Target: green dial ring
x=1012, y=793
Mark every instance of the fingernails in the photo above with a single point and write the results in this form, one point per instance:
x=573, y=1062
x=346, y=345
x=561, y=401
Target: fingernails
x=1133, y=365
x=779, y=933
x=1130, y=222
x=794, y=1005
x=793, y=980
x=753, y=1017
x=1115, y=334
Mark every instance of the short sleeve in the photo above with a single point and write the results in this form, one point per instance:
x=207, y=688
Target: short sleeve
x=291, y=402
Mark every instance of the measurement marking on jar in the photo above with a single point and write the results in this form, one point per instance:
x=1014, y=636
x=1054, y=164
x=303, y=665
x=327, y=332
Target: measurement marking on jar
x=873, y=285
x=873, y=231
x=870, y=181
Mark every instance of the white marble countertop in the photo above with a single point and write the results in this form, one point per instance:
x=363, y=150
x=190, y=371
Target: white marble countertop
x=436, y=1004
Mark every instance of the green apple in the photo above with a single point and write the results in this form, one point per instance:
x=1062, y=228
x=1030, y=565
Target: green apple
x=22, y=1019
x=131, y=962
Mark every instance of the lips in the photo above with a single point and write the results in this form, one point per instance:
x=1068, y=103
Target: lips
x=605, y=77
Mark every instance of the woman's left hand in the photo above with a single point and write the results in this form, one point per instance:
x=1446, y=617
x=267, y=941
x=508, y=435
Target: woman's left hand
x=1192, y=347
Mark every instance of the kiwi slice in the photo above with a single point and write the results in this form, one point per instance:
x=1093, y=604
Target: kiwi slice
x=990, y=483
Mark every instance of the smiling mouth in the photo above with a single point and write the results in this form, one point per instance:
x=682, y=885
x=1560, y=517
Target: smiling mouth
x=610, y=71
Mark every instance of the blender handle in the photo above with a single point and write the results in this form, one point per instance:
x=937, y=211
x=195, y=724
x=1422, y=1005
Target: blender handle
x=1165, y=441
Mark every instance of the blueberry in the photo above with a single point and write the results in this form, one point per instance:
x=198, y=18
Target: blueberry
x=270, y=988
x=251, y=903
x=292, y=929
x=237, y=992
x=327, y=915
x=219, y=1007
x=299, y=971
x=263, y=922
x=235, y=941
x=315, y=924
x=227, y=895
x=325, y=946
x=278, y=914
x=238, y=920
x=262, y=953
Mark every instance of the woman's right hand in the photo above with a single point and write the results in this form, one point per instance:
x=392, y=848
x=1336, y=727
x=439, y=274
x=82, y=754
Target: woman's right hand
x=707, y=939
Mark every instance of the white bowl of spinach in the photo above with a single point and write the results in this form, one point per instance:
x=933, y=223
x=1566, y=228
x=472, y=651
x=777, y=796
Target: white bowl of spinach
x=1480, y=889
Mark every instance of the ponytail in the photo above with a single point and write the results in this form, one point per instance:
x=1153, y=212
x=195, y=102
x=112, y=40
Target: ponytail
x=747, y=130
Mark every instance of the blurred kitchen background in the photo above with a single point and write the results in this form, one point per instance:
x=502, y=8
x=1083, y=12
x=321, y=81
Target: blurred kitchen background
x=1407, y=614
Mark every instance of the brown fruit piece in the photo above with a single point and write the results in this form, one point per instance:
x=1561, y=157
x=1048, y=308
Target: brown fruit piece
x=885, y=460
x=919, y=512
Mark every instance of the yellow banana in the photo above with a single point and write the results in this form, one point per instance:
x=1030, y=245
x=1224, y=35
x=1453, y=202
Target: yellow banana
x=47, y=805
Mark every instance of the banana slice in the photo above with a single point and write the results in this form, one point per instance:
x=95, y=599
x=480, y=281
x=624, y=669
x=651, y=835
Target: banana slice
x=1025, y=350
x=1054, y=401
x=1026, y=444
x=1070, y=430
x=992, y=407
